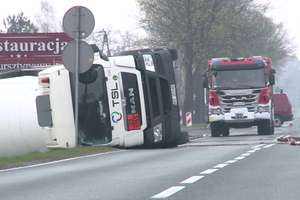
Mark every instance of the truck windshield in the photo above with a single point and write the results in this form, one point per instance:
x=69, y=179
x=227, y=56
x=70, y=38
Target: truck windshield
x=239, y=79
x=94, y=121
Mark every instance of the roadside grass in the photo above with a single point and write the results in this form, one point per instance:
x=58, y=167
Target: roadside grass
x=51, y=154
x=200, y=125
x=197, y=125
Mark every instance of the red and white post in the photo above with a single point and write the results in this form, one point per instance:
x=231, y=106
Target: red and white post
x=188, y=119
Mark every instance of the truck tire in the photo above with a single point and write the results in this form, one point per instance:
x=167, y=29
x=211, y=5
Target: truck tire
x=226, y=131
x=183, y=138
x=277, y=121
x=265, y=127
x=215, y=129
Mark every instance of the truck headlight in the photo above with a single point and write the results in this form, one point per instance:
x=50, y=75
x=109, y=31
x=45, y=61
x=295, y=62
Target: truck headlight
x=216, y=111
x=157, y=133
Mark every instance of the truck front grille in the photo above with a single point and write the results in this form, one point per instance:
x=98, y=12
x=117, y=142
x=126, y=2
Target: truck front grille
x=238, y=101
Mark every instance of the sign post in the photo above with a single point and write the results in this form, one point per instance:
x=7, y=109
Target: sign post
x=78, y=56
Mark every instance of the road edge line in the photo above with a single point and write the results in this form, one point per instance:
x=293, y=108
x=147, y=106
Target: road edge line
x=59, y=161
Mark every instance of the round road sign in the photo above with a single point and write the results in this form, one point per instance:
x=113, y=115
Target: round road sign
x=78, y=22
x=86, y=56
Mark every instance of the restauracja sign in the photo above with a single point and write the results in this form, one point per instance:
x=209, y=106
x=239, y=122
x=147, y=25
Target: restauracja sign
x=17, y=49
x=55, y=47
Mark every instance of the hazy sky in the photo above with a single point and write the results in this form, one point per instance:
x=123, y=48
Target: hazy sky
x=287, y=12
x=116, y=14
x=122, y=14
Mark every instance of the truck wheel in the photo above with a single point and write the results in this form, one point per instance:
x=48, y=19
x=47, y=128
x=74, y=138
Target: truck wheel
x=265, y=127
x=226, y=131
x=277, y=121
x=215, y=129
x=183, y=138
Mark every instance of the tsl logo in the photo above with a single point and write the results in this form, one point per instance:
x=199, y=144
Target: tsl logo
x=115, y=95
x=116, y=116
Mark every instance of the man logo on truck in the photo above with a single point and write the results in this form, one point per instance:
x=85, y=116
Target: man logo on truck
x=132, y=100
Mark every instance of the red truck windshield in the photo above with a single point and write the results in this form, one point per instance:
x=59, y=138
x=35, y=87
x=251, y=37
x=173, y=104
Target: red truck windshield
x=238, y=79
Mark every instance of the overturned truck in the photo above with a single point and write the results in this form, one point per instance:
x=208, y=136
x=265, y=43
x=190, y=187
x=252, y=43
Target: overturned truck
x=125, y=100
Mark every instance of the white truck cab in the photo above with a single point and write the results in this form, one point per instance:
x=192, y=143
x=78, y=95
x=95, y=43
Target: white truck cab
x=116, y=105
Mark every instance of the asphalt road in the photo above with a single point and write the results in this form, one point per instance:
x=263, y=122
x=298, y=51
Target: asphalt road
x=243, y=166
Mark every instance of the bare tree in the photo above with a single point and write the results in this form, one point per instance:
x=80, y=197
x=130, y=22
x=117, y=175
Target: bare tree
x=201, y=29
x=46, y=19
x=19, y=24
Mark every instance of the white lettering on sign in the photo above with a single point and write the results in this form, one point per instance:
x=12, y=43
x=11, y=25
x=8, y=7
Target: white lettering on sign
x=47, y=46
x=18, y=66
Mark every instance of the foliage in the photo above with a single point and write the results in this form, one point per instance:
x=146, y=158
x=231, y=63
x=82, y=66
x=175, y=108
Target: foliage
x=46, y=19
x=19, y=24
x=115, y=41
x=201, y=29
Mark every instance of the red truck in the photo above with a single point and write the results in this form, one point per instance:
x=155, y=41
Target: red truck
x=282, y=109
x=240, y=94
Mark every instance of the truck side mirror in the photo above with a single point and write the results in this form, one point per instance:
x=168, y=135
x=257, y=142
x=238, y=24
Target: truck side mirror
x=89, y=76
x=272, y=77
x=97, y=50
x=205, y=82
x=174, y=54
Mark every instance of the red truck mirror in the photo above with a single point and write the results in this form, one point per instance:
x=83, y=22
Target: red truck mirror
x=205, y=81
x=272, y=79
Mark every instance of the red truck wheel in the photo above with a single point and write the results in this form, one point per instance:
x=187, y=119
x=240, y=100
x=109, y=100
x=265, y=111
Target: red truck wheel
x=265, y=127
x=277, y=121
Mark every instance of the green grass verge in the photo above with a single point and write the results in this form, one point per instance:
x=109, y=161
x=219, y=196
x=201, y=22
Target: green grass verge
x=202, y=125
x=50, y=155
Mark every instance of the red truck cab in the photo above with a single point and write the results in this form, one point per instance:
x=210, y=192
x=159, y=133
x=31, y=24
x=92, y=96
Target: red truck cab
x=282, y=109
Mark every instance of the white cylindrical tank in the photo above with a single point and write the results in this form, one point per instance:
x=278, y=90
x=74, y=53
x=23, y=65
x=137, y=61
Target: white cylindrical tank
x=19, y=129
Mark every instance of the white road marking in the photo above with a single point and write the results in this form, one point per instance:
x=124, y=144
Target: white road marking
x=192, y=179
x=172, y=190
x=246, y=154
x=254, y=150
x=59, y=161
x=221, y=165
x=268, y=146
x=209, y=171
x=231, y=161
x=168, y=192
x=257, y=146
x=239, y=158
